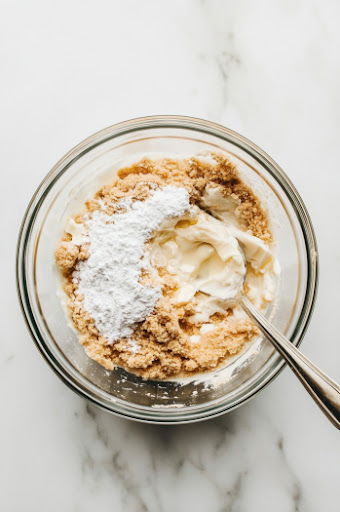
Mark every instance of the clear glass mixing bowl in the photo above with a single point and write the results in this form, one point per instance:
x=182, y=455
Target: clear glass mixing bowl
x=84, y=169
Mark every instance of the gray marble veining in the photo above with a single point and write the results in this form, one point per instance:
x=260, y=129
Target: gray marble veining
x=269, y=70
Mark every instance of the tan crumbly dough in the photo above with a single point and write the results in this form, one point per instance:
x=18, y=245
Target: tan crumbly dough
x=165, y=350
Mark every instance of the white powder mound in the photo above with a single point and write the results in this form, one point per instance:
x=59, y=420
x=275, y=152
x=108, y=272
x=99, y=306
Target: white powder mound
x=109, y=278
x=133, y=346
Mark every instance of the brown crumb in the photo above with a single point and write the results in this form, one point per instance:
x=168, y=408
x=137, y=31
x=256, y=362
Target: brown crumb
x=66, y=255
x=165, y=346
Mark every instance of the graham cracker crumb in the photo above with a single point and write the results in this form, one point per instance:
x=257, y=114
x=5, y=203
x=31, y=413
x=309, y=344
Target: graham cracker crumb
x=165, y=349
x=67, y=255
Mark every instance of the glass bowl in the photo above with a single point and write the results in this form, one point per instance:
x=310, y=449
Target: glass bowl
x=81, y=172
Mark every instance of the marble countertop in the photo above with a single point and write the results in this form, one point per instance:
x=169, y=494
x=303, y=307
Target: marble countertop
x=269, y=70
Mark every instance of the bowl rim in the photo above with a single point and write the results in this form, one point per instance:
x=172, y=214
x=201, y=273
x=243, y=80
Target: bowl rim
x=157, y=415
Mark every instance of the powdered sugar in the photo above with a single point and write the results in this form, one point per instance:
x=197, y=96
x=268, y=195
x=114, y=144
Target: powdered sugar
x=133, y=346
x=109, y=279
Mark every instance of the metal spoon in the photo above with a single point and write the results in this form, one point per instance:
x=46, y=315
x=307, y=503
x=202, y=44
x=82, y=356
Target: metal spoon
x=324, y=391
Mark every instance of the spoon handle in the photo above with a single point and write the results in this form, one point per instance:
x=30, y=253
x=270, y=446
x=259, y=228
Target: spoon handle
x=324, y=391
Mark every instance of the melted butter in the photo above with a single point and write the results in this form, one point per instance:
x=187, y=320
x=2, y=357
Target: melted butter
x=207, y=260
x=208, y=254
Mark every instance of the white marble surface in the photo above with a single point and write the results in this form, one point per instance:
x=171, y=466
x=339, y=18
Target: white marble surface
x=269, y=69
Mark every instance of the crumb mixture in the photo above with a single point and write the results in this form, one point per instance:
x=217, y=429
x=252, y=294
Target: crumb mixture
x=168, y=341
